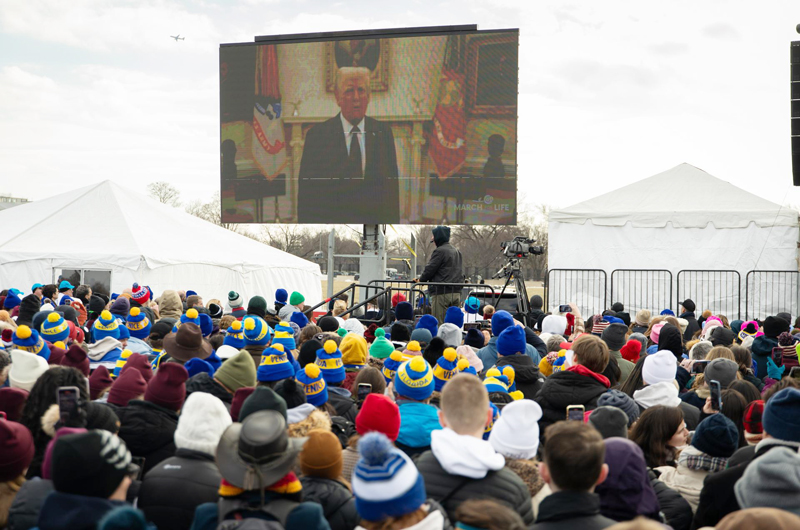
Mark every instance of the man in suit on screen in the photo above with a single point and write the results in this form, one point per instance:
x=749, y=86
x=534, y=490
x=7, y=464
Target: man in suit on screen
x=348, y=173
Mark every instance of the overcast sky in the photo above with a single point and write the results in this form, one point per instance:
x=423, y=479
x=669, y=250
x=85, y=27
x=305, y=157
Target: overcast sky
x=610, y=91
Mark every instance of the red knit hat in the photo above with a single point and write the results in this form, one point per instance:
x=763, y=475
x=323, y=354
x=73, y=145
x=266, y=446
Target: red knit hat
x=631, y=351
x=379, y=414
x=129, y=385
x=99, y=381
x=17, y=453
x=141, y=363
x=140, y=294
x=752, y=417
x=12, y=401
x=238, y=400
x=397, y=298
x=76, y=358
x=168, y=388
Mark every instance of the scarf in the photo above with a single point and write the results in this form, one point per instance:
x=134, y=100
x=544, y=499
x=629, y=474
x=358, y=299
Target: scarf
x=288, y=485
x=691, y=458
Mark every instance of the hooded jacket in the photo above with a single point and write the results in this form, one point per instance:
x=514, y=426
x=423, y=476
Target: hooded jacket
x=526, y=376
x=417, y=422
x=105, y=351
x=666, y=393
x=570, y=510
x=693, y=326
x=148, y=430
x=674, y=507
x=626, y=493
x=202, y=382
x=338, y=503
x=62, y=511
x=445, y=265
x=575, y=386
x=762, y=349
x=170, y=305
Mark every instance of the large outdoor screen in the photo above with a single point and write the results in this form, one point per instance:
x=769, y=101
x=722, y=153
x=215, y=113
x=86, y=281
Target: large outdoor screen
x=415, y=129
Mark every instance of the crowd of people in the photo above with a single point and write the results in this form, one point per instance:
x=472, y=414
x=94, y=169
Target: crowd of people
x=139, y=411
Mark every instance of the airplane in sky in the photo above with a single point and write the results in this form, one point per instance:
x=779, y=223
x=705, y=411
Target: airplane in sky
x=177, y=37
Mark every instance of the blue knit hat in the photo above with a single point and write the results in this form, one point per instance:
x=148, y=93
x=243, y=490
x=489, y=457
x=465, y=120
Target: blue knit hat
x=781, y=417
x=422, y=335
x=329, y=360
x=414, y=379
x=511, y=341
x=11, y=301
x=428, y=322
x=234, y=336
x=472, y=305
x=281, y=296
x=495, y=415
x=391, y=364
x=404, y=311
x=284, y=335
x=446, y=367
x=55, y=328
x=454, y=315
x=27, y=339
x=190, y=292
x=106, y=325
x=124, y=332
x=669, y=312
x=275, y=364
x=256, y=331
x=122, y=360
x=465, y=368
x=191, y=315
x=385, y=481
x=138, y=324
x=495, y=381
x=474, y=339
x=213, y=360
x=500, y=321
x=716, y=436
x=314, y=386
x=195, y=365
x=206, y=324
x=299, y=319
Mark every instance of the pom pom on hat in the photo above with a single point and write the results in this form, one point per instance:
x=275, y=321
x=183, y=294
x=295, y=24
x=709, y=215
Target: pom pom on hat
x=414, y=379
x=313, y=383
x=23, y=332
x=463, y=364
x=256, y=331
x=135, y=312
x=29, y=340
x=59, y=344
x=105, y=326
x=391, y=364
x=192, y=313
x=510, y=374
x=138, y=324
x=274, y=365
x=329, y=360
x=413, y=346
x=446, y=368
x=341, y=332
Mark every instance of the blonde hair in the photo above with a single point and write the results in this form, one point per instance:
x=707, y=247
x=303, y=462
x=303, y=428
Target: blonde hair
x=339, y=307
x=464, y=403
x=350, y=71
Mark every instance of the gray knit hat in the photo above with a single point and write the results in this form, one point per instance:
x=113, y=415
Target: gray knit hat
x=610, y=422
x=622, y=401
x=722, y=370
x=771, y=481
x=614, y=336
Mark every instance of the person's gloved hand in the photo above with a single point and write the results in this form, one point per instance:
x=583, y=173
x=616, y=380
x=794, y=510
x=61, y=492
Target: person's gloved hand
x=773, y=372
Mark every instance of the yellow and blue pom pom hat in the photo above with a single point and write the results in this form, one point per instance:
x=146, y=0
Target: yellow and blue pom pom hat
x=329, y=360
x=121, y=362
x=105, y=326
x=54, y=328
x=284, y=335
x=414, y=379
x=138, y=324
x=235, y=336
x=391, y=364
x=313, y=384
x=256, y=330
x=446, y=367
x=28, y=339
x=274, y=364
x=191, y=315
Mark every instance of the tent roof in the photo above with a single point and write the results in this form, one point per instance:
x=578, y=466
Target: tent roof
x=684, y=196
x=106, y=223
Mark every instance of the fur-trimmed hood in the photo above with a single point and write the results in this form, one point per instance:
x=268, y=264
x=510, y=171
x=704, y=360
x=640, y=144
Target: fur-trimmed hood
x=316, y=420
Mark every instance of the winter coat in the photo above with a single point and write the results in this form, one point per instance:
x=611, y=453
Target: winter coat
x=742, y=456
x=692, y=328
x=417, y=422
x=349, y=460
x=202, y=382
x=173, y=489
x=343, y=404
x=24, y=511
x=503, y=486
x=625, y=366
x=488, y=354
x=349, y=377
x=762, y=350
x=693, y=399
x=170, y=305
x=255, y=351
x=148, y=430
x=528, y=471
x=687, y=482
x=570, y=510
x=444, y=265
x=63, y=511
x=568, y=387
x=674, y=507
x=338, y=503
x=526, y=376
x=307, y=515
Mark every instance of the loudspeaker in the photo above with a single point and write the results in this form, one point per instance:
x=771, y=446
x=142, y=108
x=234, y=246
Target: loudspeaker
x=794, y=54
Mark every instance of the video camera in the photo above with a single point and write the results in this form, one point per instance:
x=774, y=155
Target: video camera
x=521, y=247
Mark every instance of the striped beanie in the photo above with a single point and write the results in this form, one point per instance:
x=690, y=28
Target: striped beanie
x=414, y=379
x=274, y=365
x=256, y=330
x=313, y=384
x=55, y=328
x=446, y=368
x=234, y=336
x=138, y=324
x=235, y=300
x=391, y=364
x=191, y=315
x=140, y=294
x=123, y=359
x=495, y=381
x=329, y=360
x=106, y=325
x=465, y=368
x=510, y=374
x=28, y=339
x=284, y=335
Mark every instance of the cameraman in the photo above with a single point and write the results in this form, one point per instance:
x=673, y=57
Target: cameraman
x=445, y=267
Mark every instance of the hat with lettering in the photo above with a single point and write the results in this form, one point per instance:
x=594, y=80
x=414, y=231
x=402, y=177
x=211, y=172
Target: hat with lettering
x=313, y=384
x=446, y=368
x=234, y=336
x=256, y=331
x=27, y=339
x=329, y=360
x=140, y=294
x=106, y=325
x=284, y=335
x=275, y=364
x=391, y=364
x=414, y=379
x=138, y=324
x=55, y=328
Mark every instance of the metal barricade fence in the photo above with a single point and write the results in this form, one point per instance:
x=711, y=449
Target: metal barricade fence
x=770, y=292
x=642, y=289
x=587, y=288
x=716, y=291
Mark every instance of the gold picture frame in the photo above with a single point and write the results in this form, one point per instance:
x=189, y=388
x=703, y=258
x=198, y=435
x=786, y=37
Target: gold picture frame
x=372, y=53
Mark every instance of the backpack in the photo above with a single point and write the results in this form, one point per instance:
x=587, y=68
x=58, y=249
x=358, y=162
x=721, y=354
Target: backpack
x=343, y=429
x=277, y=512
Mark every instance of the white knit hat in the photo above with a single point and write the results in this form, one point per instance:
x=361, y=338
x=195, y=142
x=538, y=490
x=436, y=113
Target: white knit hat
x=658, y=367
x=226, y=351
x=202, y=421
x=555, y=324
x=450, y=334
x=516, y=433
x=354, y=325
x=235, y=300
x=26, y=367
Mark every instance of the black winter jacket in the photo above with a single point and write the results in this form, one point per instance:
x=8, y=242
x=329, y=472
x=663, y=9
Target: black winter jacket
x=148, y=430
x=569, y=510
x=202, y=382
x=692, y=328
x=445, y=264
x=563, y=389
x=503, y=486
x=527, y=373
x=345, y=406
x=675, y=508
x=338, y=504
x=172, y=489
x=24, y=511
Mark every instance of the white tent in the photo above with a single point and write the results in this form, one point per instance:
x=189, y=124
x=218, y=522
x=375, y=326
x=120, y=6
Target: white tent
x=105, y=227
x=680, y=219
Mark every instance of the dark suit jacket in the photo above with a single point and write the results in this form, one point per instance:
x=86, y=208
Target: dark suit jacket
x=325, y=195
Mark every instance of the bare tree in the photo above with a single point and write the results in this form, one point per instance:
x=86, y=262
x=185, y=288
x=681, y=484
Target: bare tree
x=211, y=211
x=165, y=193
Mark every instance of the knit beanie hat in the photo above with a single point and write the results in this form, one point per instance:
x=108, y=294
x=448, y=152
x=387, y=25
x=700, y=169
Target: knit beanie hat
x=191, y=315
x=281, y=296
x=487, y=431
x=329, y=360
x=321, y=455
x=386, y=483
x=414, y=379
x=138, y=361
x=239, y=398
x=138, y=324
x=622, y=401
x=12, y=401
x=475, y=338
x=354, y=350
x=614, y=336
x=413, y=348
x=262, y=398
x=450, y=334
x=465, y=368
x=76, y=358
x=753, y=417
x=421, y=335
x=308, y=352
x=195, y=366
x=660, y=366
x=781, y=417
x=235, y=300
x=57, y=352
x=257, y=306
x=511, y=341
x=274, y=365
x=454, y=315
x=90, y=464
x=11, y=301
x=328, y=324
x=234, y=336
x=722, y=370
x=391, y=364
x=291, y=392
x=139, y=294
x=128, y=386
x=238, y=371
x=26, y=368
x=55, y=328
x=296, y=299
x=106, y=325
x=168, y=387
x=256, y=331
x=555, y=324
x=121, y=361
x=771, y=481
x=404, y=311
x=99, y=381
x=609, y=422
x=428, y=322
x=314, y=386
x=202, y=421
x=642, y=318
x=446, y=368
x=399, y=332
x=27, y=339
x=716, y=436
x=381, y=348
x=299, y=319
x=516, y=433
x=631, y=350
x=774, y=326
x=18, y=449
x=206, y=324
x=124, y=334
x=495, y=381
x=500, y=321
x=379, y=414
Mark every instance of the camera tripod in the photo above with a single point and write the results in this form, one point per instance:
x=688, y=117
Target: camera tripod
x=512, y=270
